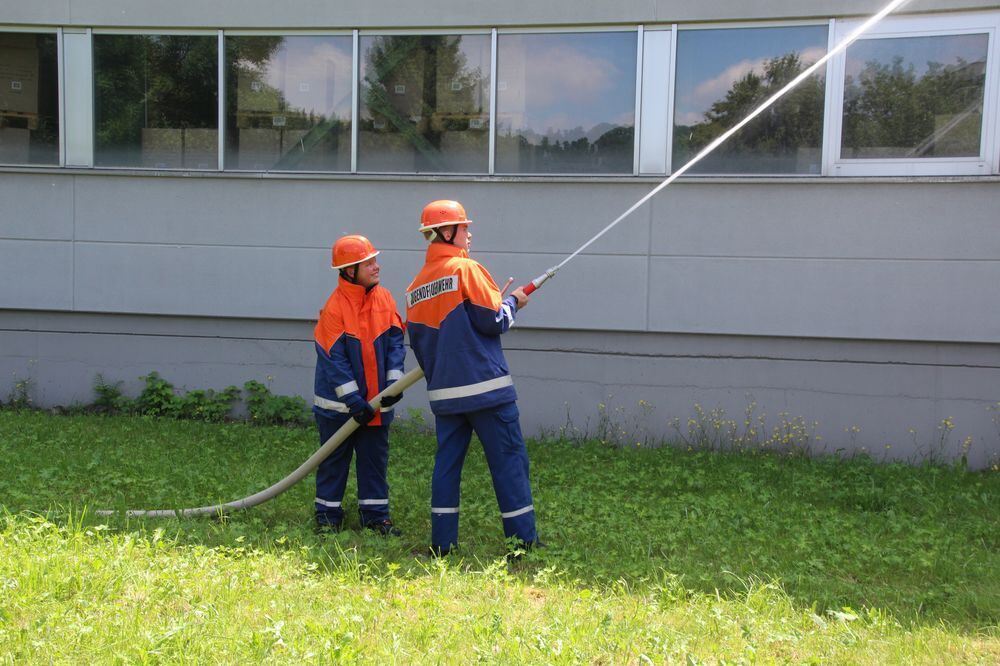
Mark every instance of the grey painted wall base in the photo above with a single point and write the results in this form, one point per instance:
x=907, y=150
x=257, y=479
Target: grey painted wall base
x=851, y=394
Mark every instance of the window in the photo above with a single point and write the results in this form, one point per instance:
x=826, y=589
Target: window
x=288, y=103
x=29, y=99
x=724, y=75
x=156, y=101
x=424, y=103
x=566, y=102
x=916, y=96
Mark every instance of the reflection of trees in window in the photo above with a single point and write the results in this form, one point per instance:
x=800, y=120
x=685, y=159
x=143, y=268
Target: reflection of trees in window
x=890, y=111
x=784, y=138
x=151, y=82
x=264, y=130
x=423, y=90
x=604, y=148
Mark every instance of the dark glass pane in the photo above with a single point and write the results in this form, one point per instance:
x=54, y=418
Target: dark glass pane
x=425, y=103
x=724, y=75
x=912, y=97
x=288, y=103
x=566, y=103
x=156, y=101
x=29, y=99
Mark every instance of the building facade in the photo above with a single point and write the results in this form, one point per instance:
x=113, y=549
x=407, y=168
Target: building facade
x=173, y=175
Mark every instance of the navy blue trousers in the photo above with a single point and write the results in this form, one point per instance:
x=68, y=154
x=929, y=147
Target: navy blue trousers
x=500, y=432
x=371, y=444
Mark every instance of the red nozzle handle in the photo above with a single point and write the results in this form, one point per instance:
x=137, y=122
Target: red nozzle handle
x=538, y=281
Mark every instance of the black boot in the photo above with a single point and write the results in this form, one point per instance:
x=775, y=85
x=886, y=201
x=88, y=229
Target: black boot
x=383, y=527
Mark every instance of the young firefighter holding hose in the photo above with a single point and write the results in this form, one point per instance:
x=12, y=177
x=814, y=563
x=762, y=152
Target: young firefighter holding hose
x=455, y=314
x=359, y=352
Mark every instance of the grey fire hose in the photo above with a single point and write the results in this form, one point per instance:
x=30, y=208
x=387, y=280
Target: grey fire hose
x=405, y=382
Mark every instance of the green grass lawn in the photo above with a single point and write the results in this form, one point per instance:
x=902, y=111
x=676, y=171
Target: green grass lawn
x=653, y=556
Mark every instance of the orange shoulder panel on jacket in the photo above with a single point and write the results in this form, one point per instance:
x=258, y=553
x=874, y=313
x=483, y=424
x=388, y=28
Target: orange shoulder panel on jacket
x=330, y=326
x=478, y=285
x=432, y=295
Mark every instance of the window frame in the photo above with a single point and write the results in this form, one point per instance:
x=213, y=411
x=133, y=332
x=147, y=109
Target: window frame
x=915, y=26
x=223, y=69
x=744, y=25
x=432, y=32
x=637, y=29
x=220, y=101
x=60, y=95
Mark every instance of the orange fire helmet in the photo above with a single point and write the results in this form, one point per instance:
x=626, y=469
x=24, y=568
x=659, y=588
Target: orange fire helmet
x=351, y=250
x=441, y=213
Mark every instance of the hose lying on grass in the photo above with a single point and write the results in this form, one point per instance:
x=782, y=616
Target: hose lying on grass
x=397, y=387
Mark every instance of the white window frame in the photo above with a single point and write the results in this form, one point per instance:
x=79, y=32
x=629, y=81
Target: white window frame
x=744, y=25
x=654, y=108
x=923, y=26
x=637, y=30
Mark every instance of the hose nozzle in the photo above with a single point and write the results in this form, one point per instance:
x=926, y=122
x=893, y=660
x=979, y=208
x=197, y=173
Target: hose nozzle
x=540, y=280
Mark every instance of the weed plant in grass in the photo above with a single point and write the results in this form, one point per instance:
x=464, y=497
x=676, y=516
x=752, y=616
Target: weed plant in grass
x=663, y=554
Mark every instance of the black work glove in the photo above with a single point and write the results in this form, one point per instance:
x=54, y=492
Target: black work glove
x=363, y=413
x=390, y=400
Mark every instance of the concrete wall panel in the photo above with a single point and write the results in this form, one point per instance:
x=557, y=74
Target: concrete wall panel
x=923, y=300
x=310, y=213
x=36, y=207
x=209, y=281
x=36, y=275
x=828, y=220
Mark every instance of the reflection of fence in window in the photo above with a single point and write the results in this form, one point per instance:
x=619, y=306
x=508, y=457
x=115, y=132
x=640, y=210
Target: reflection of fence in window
x=29, y=126
x=902, y=101
x=424, y=103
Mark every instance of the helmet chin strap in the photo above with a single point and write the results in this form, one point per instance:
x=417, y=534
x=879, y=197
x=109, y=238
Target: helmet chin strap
x=350, y=278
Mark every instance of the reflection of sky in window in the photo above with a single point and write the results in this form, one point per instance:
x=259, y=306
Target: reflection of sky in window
x=551, y=82
x=709, y=62
x=314, y=73
x=917, y=51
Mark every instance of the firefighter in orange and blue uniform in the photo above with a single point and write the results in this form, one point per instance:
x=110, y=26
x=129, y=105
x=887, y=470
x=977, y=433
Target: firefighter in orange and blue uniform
x=455, y=315
x=359, y=352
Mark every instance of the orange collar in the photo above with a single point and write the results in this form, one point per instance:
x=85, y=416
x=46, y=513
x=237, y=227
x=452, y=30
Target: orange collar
x=354, y=293
x=437, y=251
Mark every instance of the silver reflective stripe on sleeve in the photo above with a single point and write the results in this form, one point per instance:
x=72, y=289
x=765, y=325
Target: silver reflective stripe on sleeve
x=444, y=509
x=518, y=512
x=505, y=313
x=385, y=409
x=373, y=502
x=470, y=389
x=349, y=387
x=331, y=405
x=332, y=505
x=393, y=375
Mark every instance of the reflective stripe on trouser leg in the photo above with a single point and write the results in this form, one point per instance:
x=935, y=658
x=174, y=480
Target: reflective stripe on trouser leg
x=453, y=434
x=371, y=448
x=499, y=430
x=331, y=475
